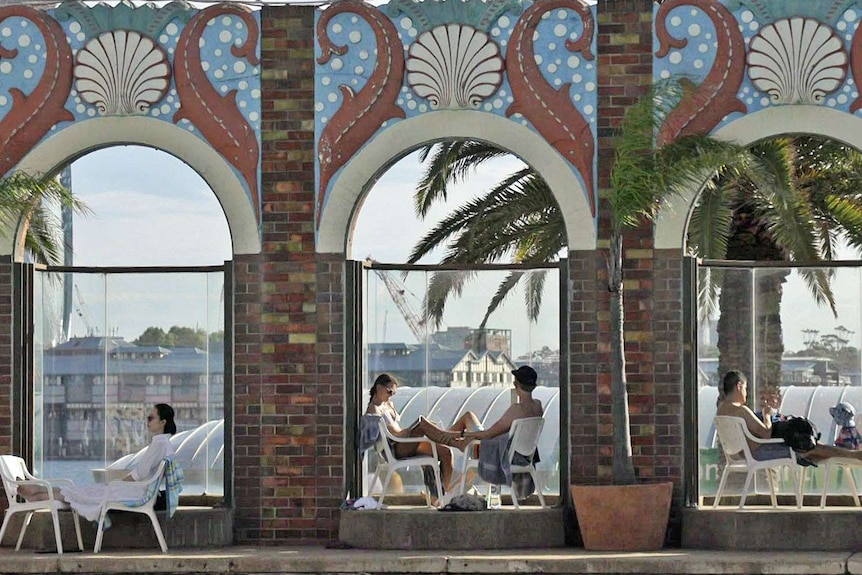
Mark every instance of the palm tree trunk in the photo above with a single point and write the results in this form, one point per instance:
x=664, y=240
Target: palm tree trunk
x=623, y=466
x=755, y=349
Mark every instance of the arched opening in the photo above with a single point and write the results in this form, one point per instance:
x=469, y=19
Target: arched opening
x=338, y=213
x=134, y=316
x=84, y=137
x=432, y=321
x=782, y=304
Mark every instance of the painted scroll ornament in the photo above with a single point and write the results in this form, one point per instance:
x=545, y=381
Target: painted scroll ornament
x=454, y=67
x=797, y=61
x=122, y=73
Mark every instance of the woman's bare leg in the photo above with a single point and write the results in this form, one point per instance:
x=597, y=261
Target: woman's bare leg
x=446, y=459
x=467, y=422
x=38, y=493
x=434, y=433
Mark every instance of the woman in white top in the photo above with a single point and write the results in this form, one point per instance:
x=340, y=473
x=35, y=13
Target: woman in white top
x=87, y=499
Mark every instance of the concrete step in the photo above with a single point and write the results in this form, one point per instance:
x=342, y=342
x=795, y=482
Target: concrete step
x=190, y=527
x=765, y=529
x=423, y=528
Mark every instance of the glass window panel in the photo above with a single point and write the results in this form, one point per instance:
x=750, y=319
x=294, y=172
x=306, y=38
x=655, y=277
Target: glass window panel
x=462, y=363
x=96, y=385
x=790, y=338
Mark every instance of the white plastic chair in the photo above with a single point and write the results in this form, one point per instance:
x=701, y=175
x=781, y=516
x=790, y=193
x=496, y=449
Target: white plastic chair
x=847, y=465
x=524, y=435
x=109, y=502
x=14, y=472
x=387, y=464
x=734, y=436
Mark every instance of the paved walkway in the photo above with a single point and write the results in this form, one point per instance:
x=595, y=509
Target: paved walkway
x=313, y=560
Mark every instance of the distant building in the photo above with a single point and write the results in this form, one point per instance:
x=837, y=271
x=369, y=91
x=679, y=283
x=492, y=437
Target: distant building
x=479, y=340
x=94, y=387
x=804, y=371
x=418, y=366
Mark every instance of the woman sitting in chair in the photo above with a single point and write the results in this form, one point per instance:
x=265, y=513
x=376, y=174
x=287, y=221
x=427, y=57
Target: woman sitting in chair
x=385, y=386
x=87, y=499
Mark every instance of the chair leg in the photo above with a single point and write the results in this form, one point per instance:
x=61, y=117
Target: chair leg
x=825, y=485
x=849, y=471
x=514, y=493
x=721, y=484
x=78, y=530
x=745, y=489
x=539, y=487
x=439, y=482
x=770, y=479
x=158, y=529
x=24, y=526
x=798, y=485
x=55, y=518
x=100, y=530
x=373, y=481
x=385, y=486
x=6, y=517
x=427, y=493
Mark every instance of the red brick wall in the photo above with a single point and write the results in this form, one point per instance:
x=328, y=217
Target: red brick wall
x=6, y=362
x=288, y=361
x=624, y=71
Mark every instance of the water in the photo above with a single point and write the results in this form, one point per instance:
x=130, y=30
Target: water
x=77, y=470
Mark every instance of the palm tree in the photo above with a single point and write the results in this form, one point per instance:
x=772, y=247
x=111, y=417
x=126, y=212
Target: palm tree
x=747, y=191
x=26, y=200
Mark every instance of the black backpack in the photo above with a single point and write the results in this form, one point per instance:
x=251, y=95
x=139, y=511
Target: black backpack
x=797, y=432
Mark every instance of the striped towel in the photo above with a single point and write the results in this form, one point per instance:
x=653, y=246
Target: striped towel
x=174, y=478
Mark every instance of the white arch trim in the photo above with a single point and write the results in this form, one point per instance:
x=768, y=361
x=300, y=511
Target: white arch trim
x=672, y=224
x=85, y=136
x=335, y=231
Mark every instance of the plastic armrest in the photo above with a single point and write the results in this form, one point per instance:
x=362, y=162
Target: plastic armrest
x=756, y=439
x=60, y=481
x=42, y=482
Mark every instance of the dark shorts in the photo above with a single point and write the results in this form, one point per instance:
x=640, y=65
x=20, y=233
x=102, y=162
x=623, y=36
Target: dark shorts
x=771, y=451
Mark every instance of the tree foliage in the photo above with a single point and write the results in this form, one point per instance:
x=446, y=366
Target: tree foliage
x=32, y=201
x=178, y=336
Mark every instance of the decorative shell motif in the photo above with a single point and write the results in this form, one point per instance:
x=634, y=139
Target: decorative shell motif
x=122, y=73
x=797, y=61
x=454, y=66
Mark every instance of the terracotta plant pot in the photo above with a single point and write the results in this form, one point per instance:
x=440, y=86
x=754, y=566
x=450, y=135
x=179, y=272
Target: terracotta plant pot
x=622, y=517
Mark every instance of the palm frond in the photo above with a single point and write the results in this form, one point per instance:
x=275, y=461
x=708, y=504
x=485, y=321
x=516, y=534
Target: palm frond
x=441, y=286
x=22, y=200
x=451, y=162
x=503, y=291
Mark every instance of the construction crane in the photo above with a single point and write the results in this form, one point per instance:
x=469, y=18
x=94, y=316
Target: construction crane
x=81, y=310
x=398, y=291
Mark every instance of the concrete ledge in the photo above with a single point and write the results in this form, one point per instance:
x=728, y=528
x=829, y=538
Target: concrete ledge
x=529, y=527
x=831, y=529
x=190, y=527
x=315, y=560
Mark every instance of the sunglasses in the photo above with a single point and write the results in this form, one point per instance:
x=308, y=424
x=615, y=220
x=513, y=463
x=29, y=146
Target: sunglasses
x=151, y=417
x=391, y=391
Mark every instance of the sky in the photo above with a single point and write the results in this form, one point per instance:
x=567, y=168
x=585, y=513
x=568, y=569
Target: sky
x=148, y=209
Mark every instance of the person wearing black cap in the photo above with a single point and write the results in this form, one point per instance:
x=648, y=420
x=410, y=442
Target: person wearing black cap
x=468, y=427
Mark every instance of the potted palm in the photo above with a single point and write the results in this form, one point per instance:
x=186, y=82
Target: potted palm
x=642, y=178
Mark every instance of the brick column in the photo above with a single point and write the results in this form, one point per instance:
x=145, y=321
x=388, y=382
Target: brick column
x=624, y=73
x=584, y=433
x=288, y=418
x=6, y=355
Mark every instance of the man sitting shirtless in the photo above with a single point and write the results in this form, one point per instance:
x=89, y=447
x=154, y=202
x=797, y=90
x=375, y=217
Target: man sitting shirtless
x=735, y=387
